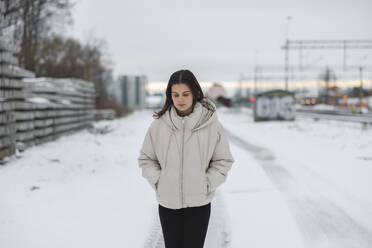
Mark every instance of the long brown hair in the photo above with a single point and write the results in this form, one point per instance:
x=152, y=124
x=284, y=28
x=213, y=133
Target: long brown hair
x=188, y=78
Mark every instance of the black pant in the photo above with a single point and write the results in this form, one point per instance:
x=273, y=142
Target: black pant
x=185, y=227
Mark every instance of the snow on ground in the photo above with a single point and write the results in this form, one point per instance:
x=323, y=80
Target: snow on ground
x=323, y=171
x=83, y=190
x=86, y=190
x=340, y=151
x=258, y=215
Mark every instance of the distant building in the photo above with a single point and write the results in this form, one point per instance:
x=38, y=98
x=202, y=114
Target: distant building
x=218, y=93
x=131, y=91
x=217, y=90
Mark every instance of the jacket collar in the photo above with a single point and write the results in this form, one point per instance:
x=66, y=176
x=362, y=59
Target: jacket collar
x=198, y=118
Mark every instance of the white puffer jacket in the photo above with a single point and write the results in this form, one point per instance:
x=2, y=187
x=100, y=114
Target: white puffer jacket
x=185, y=158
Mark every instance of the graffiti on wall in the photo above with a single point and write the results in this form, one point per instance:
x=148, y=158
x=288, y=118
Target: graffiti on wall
x=277, y=107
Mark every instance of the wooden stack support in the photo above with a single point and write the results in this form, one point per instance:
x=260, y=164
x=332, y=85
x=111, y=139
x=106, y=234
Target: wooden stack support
x=11, y=93
x=104, y=114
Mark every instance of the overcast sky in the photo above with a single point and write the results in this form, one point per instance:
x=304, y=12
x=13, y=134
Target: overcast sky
x=216, y=39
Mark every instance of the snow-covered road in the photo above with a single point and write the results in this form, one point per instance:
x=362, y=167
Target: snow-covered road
x=322, y=222
x=300, y=184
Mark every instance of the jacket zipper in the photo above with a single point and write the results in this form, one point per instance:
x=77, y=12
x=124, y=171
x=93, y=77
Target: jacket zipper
x=166, y=155
x=181, y=171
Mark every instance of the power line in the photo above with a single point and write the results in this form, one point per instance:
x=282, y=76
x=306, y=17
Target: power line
x=300, y=45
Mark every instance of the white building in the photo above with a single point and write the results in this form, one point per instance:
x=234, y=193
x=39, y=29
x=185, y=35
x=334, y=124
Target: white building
x=130, y=91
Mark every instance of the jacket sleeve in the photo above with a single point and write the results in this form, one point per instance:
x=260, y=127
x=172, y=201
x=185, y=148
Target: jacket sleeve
x=148, y=161
x=221, y=161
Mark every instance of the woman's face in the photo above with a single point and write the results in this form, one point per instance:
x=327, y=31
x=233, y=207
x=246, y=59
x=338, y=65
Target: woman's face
x=182, y=98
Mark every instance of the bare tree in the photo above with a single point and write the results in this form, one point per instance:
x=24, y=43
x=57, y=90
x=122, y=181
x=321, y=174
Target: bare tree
x=34, y=24
x=34, y=20
x=67, y=57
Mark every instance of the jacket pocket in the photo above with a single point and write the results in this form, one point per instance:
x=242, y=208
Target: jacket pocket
x=156, y=187
x=206, y=183
x=167, y=153
x=201, y=165
x=158, y=183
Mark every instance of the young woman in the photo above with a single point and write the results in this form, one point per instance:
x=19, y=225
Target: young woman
x=185, y=156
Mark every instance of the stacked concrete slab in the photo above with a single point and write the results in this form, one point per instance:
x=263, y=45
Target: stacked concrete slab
x=61, y=106
x=11, y=95
x=36, y=110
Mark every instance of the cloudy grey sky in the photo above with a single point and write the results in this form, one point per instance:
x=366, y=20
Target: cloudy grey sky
x=216, y=39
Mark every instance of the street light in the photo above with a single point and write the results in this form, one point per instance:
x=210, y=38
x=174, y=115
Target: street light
x=288, y=18
x=361, y=82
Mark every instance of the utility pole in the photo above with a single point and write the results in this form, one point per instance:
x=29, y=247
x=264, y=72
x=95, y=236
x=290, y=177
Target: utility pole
x=240, y=95
x=300, y=57
x=255, y=80
x=286, y=69
x=255, y=71
x=344, y=48
x=286, y=57
x=361, y=87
